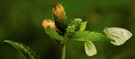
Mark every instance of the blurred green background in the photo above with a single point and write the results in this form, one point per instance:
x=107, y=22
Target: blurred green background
x=20, y=20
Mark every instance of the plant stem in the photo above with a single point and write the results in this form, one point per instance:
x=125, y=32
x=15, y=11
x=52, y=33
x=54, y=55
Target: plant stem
x=63, y=51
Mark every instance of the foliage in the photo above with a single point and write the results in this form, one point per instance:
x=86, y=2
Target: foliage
x=89, y=36
x=24, y=50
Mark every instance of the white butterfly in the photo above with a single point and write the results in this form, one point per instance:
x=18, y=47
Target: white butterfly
x=90, y=48
x=118, y=35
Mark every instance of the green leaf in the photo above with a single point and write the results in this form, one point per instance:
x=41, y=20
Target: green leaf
x=89, y=36
x=83, y=26
x=53, y=34
x=77, y=20
x=71, y=28
x=24, y=50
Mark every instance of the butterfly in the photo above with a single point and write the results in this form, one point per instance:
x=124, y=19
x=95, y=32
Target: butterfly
x=90, y=48
x=118, y=35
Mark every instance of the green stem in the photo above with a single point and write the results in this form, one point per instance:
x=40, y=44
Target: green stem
x=63, y=51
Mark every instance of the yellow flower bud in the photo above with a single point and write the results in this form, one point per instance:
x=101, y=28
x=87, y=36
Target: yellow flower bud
x=58, y=11
x=48, y=22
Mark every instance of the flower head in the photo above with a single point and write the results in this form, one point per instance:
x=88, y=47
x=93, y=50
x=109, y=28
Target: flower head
x=58, y=11
x=47, y=23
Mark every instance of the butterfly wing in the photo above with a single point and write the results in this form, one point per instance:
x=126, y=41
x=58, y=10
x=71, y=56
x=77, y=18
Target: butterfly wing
x=119, y=35
x=118, y=39
x=120, y=31
x=90, y=48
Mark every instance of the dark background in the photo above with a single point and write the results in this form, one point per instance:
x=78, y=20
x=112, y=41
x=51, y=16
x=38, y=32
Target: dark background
x=20, y=20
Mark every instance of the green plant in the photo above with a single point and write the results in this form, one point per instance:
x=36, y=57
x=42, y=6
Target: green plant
x=63, y=30
x=24, y=50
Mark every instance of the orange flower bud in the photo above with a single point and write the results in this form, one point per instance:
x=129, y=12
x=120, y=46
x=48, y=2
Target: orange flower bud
x=48, y=22
x=58, y=11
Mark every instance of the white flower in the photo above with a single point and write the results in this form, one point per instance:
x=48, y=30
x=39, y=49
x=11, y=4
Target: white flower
x=118, y=35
